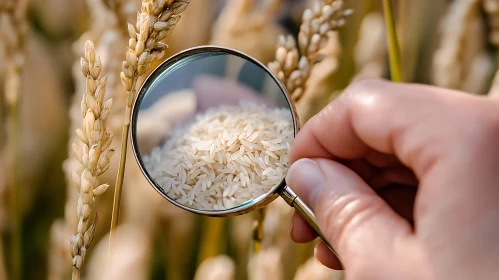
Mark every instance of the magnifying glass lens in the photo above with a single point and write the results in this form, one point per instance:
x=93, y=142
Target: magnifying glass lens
x=213, y=131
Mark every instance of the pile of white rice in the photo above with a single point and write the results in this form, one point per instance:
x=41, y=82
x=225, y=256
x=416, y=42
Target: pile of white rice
x=226, y=157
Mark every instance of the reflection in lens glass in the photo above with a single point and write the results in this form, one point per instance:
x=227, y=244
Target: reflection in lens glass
x=214, y=131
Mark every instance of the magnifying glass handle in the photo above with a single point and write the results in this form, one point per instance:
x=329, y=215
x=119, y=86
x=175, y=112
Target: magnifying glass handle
x=294, y=201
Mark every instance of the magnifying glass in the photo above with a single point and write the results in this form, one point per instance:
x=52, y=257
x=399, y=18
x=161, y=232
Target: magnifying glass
x=211, y=132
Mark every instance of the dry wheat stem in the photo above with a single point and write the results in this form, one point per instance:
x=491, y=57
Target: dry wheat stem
x=155, y=21
x=293, y=63
x=93, y=152
x=13, y=27
x=258, y=231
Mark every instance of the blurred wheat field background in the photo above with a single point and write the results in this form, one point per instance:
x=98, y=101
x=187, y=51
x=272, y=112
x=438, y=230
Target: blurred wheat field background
x=43, y=80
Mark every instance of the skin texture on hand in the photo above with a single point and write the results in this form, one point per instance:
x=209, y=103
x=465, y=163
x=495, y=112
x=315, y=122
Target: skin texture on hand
x=404, y=182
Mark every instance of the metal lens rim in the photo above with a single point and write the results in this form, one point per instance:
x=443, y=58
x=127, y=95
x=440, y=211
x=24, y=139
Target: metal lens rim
x=164, y=66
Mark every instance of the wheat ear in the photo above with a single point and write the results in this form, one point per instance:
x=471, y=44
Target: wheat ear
x=293, y=67
x=155, y=21
x=93, y=152
x=450, y=61
x=13, y=27
x=491, y=7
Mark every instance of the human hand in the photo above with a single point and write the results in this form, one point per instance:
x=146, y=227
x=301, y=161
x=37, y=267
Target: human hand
x=404, y=182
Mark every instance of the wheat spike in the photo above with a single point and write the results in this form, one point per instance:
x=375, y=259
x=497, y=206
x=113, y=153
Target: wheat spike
x=251, y=28
x=491, y=7
x=103, y=32
x=93, y=152
x=156, y=20
x=293, y=63
x=13, y=29
x=459, y=44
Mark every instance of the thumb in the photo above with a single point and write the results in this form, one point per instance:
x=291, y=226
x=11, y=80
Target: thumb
x=356, y=221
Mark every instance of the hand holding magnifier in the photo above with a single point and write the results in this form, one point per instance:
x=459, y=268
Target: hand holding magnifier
x=225, y=152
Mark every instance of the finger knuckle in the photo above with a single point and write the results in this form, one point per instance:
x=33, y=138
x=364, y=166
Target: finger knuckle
x=362, y=87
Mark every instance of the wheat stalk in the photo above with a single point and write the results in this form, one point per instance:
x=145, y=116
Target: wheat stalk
x=155, y=21
x=93, y=152
x=13, y=27
x=258, y=231
x=393, y=43
x=293, y=67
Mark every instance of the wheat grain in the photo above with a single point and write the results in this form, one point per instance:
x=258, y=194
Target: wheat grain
x=320, y=85
x=293, y=67
x=93, y=152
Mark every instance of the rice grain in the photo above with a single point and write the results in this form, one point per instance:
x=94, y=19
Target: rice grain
x=217, y=175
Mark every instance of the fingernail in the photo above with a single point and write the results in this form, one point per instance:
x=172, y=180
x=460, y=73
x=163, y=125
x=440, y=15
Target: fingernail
x=306, y=178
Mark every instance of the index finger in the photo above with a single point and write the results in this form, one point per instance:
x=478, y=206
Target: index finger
x=408, y=121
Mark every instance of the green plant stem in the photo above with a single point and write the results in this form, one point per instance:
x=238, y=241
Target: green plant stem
x=15, y=216
x=393, y=45
x=119, y=180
